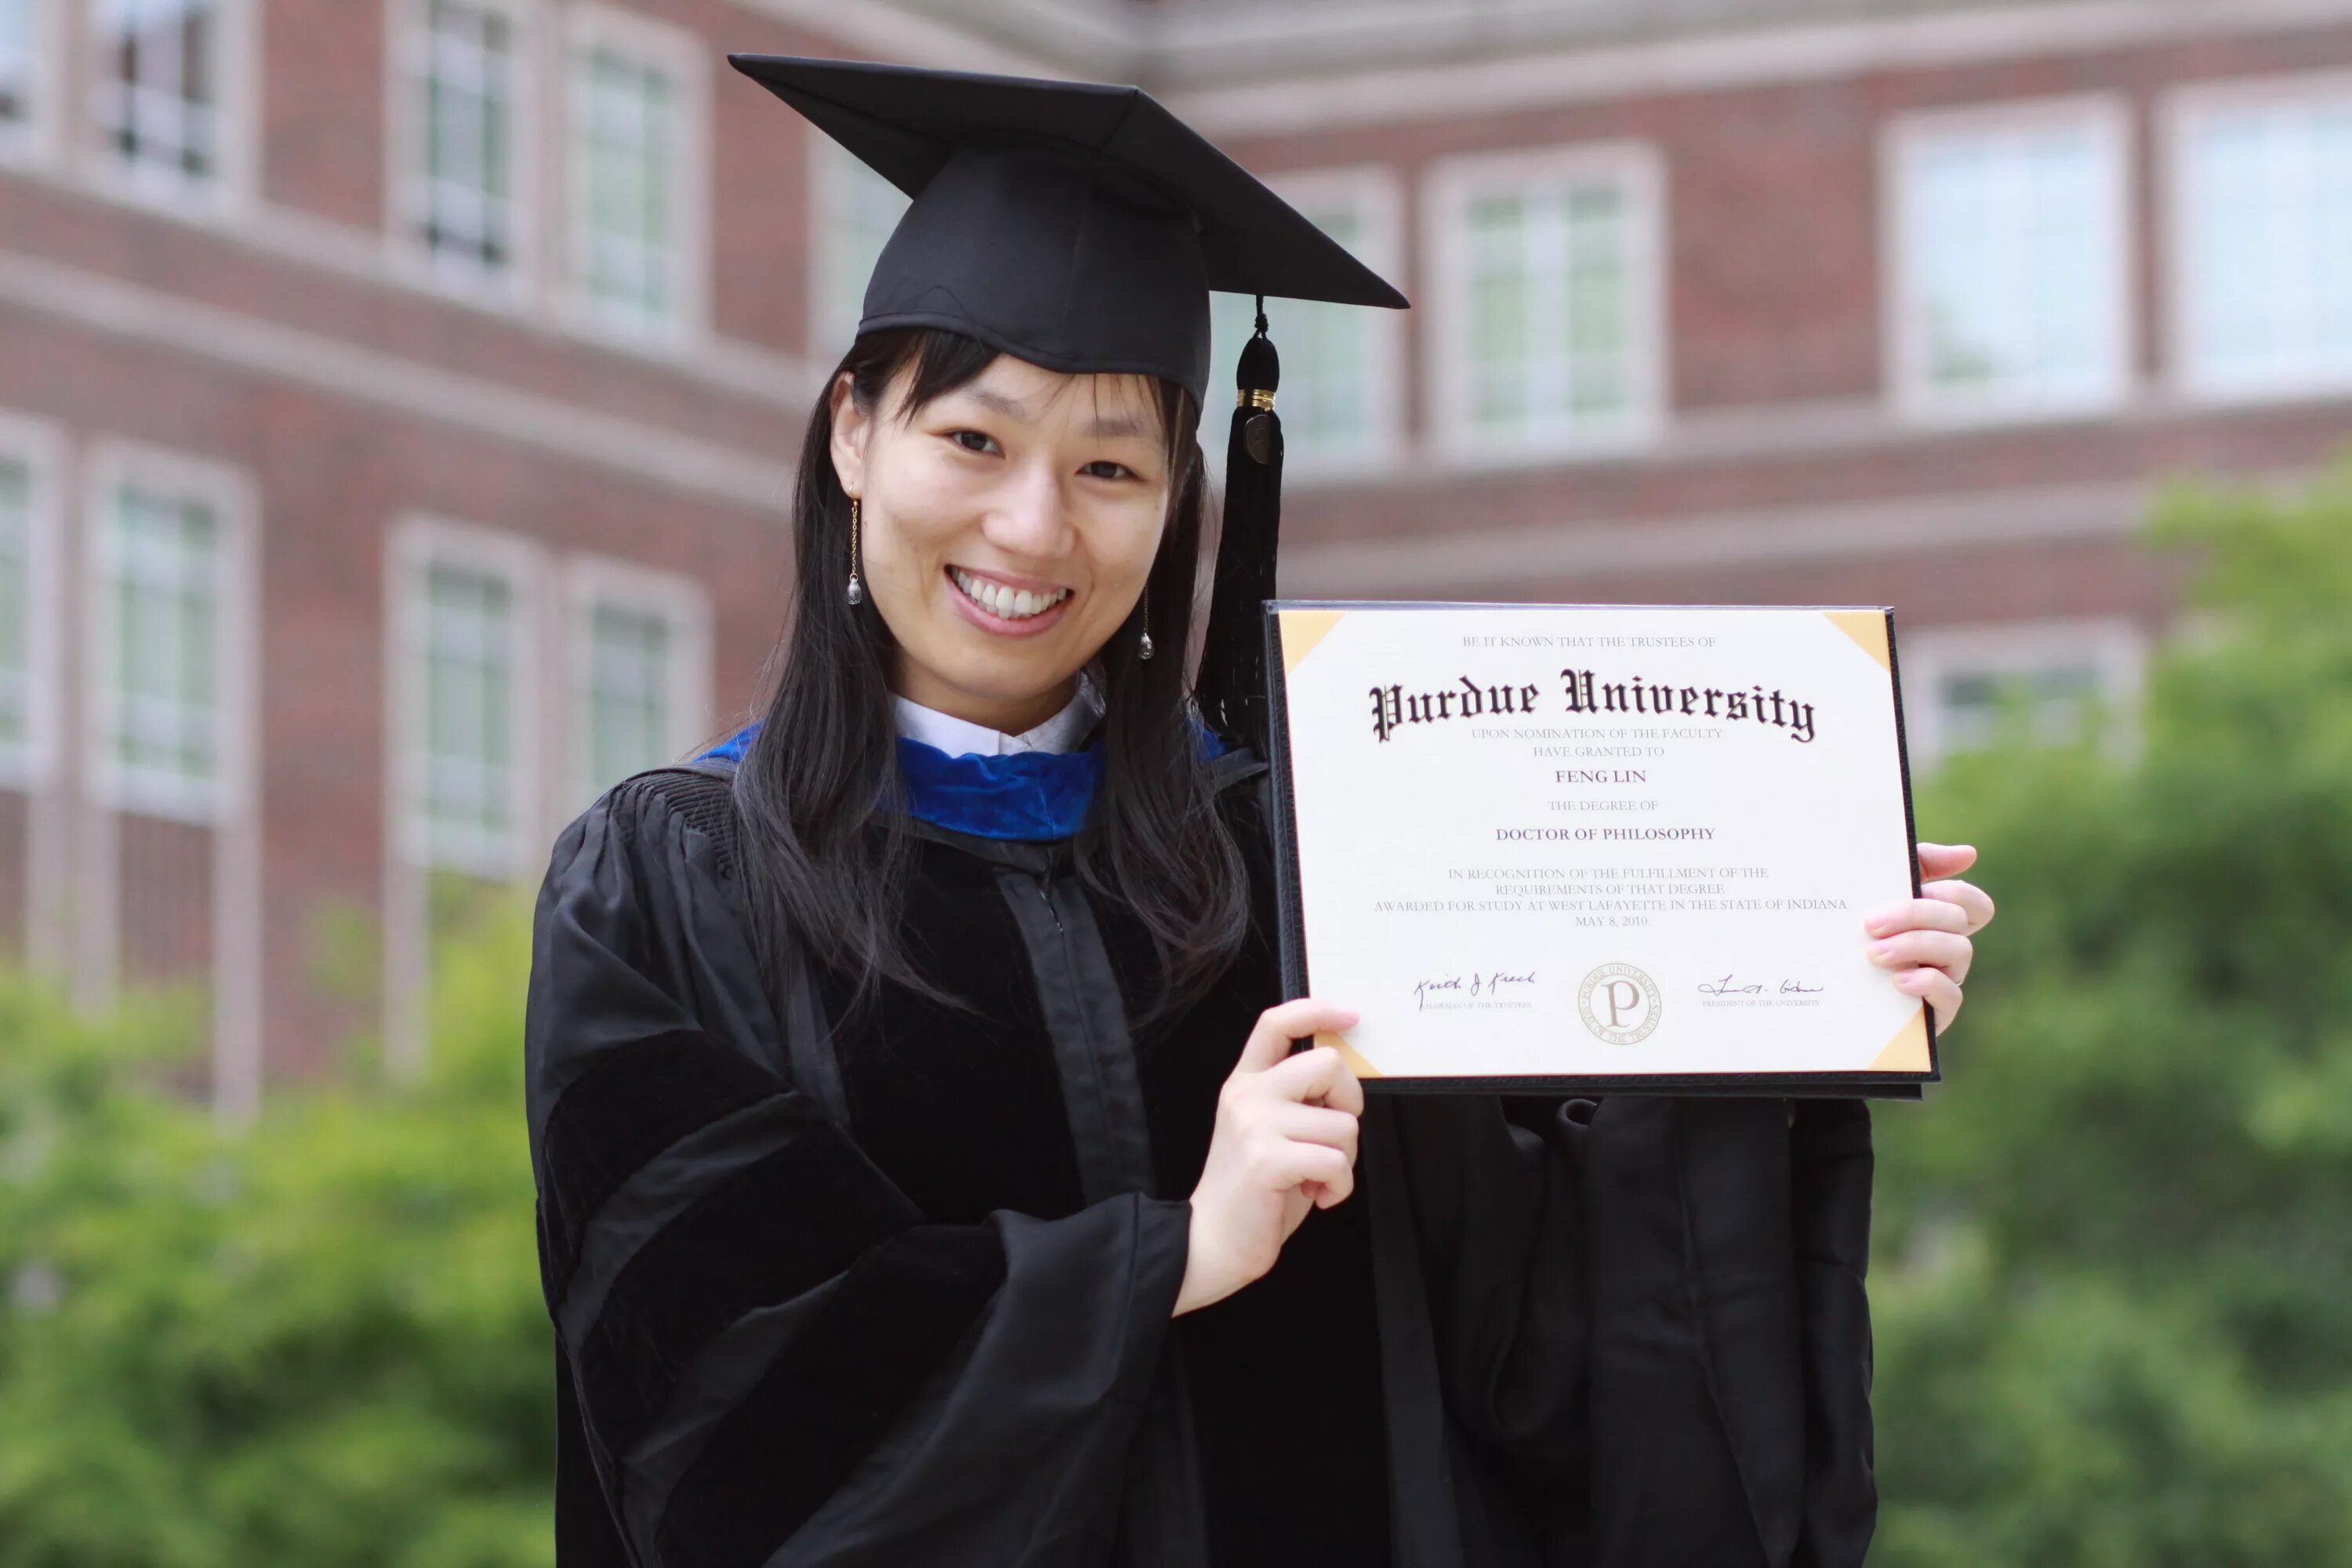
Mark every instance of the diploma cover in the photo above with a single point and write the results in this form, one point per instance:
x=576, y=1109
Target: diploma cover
x=1569, y=848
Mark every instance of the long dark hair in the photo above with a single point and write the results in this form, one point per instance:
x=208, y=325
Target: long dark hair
x=826, y=854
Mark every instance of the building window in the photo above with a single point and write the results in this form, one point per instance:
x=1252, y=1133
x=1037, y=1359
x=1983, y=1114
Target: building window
x=1340, y=362
x=627, y=141
x=163, y=578
x=16, y=674
x=1547, y=268
x=2055, y=683
x=639, y=668
x=460, y=199
x=20, y=49
x=628, y=692
x=158, y=99
x=2011, y=293
x=2263, y=242
x=856, y=212
x=469, y=782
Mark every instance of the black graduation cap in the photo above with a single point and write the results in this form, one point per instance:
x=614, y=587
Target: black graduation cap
x=1081, y=227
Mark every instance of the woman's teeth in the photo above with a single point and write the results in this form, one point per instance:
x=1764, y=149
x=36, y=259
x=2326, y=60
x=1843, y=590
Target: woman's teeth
x=1006, y=603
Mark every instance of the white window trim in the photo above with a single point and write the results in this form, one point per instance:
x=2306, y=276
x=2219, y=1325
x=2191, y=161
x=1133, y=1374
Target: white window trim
x=40, y=447
x=406, y=177
x=233, y=502
x=1450, y=184
x=682, y=604
x=2177, y=117
x=824, y=161
x=682, y=57
x=1375, y=194
x=2109, y=117
x=2115, y=645
x=38, y=137
x=416, y=544
x=233, y=191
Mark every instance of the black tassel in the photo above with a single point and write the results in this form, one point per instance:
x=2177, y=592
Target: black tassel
x=1231, y=685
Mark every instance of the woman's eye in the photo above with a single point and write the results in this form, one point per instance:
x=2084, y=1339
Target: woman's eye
x=972, y=440
x=1116, y=471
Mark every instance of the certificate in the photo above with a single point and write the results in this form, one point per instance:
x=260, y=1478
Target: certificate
x=1597, y=848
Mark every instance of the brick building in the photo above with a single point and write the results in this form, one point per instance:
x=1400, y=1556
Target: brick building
x=397, y=397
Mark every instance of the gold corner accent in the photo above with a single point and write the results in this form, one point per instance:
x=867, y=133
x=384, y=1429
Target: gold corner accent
x=1349, y=1054
x=1868, y=630
x=1301, y=630
x=1251, y=397
x=1908, y=1050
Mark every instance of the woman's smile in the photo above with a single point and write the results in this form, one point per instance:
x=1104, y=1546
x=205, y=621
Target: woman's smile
x=1006, y=607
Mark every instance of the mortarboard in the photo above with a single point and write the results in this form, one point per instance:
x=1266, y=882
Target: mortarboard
x=1081, y=227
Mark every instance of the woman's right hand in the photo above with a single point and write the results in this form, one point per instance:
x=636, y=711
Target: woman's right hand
x=1285, y=1142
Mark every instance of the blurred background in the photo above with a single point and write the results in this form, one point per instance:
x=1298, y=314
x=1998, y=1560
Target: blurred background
x=397, y=402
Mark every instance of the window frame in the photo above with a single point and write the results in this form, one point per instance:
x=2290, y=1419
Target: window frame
x=679, y=57
x=416, y=544
x=233, y=500
x=407, y=181
x=2178, y=114
x=234, y=185
x=33, y=139
x=1449, y=186
x=1916, y=401
x=681, y=603
x=1374, y=194
x=2115, y=645
x=826, y=163
x=40, y=447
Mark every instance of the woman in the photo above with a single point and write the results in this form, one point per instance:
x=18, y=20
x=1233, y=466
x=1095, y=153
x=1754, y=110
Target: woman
x=926, y=1175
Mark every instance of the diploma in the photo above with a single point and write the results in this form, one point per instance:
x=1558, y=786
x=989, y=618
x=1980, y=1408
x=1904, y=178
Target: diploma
x=1568, y=847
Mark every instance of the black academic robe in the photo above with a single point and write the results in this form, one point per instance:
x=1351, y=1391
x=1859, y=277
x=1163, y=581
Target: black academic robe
x=896, y=1290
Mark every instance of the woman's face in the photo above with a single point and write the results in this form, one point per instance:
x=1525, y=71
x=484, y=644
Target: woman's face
x=1008, y=526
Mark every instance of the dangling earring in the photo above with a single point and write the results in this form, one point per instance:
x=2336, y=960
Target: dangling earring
x=856, y=593
x=1143, y=645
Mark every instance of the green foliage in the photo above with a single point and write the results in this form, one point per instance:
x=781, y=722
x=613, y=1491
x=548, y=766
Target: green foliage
x=317, y=1342
x=2114, y=1296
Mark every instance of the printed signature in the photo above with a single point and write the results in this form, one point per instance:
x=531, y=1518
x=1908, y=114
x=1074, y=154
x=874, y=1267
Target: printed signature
x=1728, y=986
x=1470, y=984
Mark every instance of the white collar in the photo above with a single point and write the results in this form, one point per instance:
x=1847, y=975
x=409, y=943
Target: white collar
x=962, y=738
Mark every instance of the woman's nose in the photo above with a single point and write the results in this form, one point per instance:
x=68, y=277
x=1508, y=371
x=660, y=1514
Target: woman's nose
x=1031, y=518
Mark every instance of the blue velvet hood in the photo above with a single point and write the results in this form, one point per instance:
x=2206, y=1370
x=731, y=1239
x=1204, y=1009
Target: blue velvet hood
x=1030, y=795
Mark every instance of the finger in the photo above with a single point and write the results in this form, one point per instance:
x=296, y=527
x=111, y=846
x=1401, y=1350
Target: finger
x=1934, y=949
x=1314, y=1076
x=1269, y=1041
x=1314, y=1125
x=1916, y=914
x=1936, y=989
x=1974, y=901
x=1346, y=1093
x=1327, y=1169
x=1945, y=859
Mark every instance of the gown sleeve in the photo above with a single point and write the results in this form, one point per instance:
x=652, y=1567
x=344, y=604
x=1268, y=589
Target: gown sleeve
x=1650, y=1314
x=767, y=1356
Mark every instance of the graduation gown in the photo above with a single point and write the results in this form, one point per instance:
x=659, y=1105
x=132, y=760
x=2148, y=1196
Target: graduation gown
x=897, y=1290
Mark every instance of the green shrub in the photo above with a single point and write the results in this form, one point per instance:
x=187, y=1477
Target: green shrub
x=2114, y=1294
x=314, y=1343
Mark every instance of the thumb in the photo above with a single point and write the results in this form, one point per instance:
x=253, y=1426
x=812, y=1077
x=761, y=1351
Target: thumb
x=1938, y=861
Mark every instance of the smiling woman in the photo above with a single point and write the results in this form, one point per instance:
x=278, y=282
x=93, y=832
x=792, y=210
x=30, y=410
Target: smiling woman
x=1009, y=525
x=926, y=1172
x=934, y=455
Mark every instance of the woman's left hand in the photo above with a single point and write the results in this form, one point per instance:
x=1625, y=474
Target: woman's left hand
x=1924, y=941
